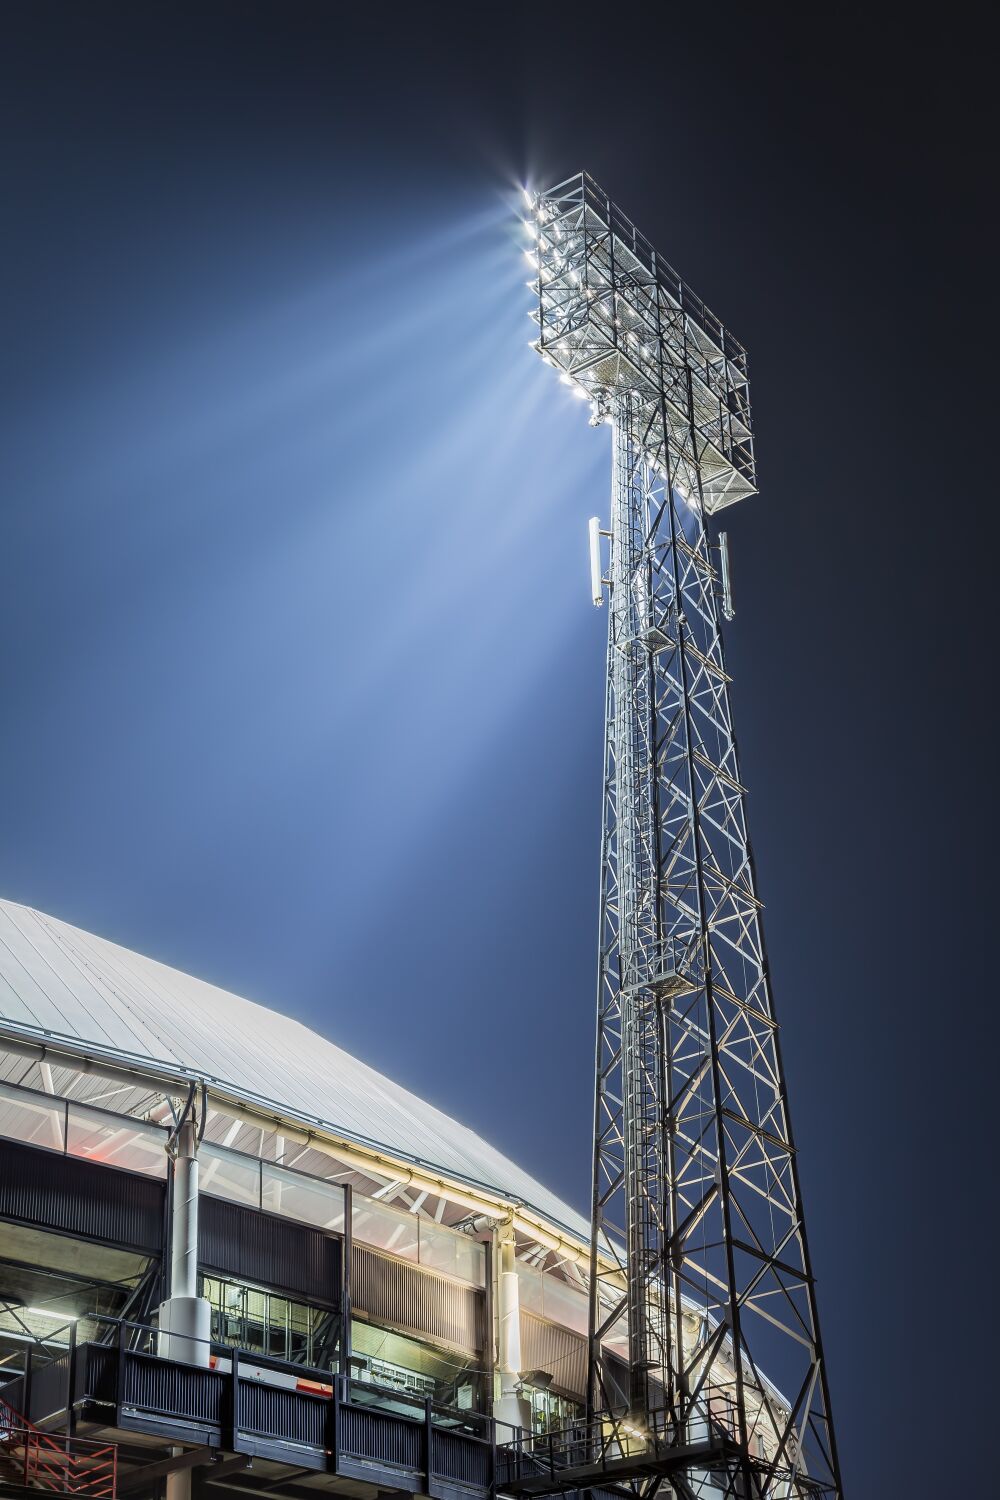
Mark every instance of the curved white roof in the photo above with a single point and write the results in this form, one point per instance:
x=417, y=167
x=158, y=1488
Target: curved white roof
x=58, y=983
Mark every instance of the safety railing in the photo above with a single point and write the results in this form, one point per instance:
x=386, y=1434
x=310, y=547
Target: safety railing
x=65, y=1465
x=400, y=1430
x=234, y=1398
x=607, y=1445
x=608, y=1450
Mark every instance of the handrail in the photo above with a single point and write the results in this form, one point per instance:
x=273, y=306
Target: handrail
x=69, y=1465
x=148, y=1334
x=453, y=1435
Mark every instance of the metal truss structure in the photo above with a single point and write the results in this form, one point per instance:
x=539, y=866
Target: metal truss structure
x=696, y=1194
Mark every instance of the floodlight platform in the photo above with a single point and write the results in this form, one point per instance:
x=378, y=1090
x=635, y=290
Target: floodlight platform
x=618, y=320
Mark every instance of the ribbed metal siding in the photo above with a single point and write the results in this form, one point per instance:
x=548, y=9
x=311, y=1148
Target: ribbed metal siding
x=250, y=1245
x=77, y=1197
x=547, y=1346
x=415, y=1301
x=173, y=1390
x=455, y=1456
x=291, y=1415
x=381, y=1438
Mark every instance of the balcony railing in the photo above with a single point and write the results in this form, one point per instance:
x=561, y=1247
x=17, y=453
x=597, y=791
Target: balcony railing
x=249, y=1405
x=612, y=1451
x=65, y=1465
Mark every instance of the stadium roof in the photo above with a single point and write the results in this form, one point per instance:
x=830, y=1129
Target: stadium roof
x=61, y=985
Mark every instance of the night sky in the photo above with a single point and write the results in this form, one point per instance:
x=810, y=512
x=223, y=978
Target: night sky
x=300, y=680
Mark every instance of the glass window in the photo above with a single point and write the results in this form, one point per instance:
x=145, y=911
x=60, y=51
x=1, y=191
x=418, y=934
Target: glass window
x=470, y=1260
x=31, y=1118
x=226, y=1174
x=432, y=1245
x=449, y=1250
x=386, y=1228
x=565, y=1305
x=262, y=1322
x=394, y=1362
x=529, y=1290
x=437, y=1248
x=116, y=1141
x=299, y=1197
x=549, y=1412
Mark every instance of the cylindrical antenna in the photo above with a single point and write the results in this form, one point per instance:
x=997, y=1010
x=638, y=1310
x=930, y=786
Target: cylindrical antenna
x=596, y=581
x=728, y=613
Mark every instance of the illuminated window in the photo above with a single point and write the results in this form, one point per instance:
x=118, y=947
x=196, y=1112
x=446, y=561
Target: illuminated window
x=265, y=1323
x=417, y=1370
x=549, y=1412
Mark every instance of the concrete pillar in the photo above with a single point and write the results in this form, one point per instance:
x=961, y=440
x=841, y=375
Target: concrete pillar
x=509, y=1407
x=179, y=1484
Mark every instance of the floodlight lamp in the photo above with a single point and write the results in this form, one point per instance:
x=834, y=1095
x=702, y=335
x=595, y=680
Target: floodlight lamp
x=635, y=1432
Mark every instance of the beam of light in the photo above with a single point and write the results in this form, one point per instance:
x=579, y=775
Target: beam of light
x=313, y=567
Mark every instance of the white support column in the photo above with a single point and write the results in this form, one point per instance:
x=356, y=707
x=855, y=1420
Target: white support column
x=185, y=1319
x=510, y=1407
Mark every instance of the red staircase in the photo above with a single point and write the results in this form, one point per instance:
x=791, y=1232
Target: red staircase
x=63, y=1465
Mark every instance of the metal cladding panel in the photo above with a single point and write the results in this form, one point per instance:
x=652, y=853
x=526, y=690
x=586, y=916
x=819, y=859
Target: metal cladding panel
x=71, y=1196
x=455, y=1456
x=560, y=1351
x=58, y=983
x=272, y=1252
x=294, y=1416
x=381, y=1437
x=173, y=1389
x=415, y=1301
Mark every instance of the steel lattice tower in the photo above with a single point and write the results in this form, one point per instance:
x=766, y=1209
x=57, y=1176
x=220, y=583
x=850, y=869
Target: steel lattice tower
x=700, y=1270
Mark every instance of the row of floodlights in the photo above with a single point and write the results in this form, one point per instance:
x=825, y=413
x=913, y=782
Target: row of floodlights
x=531, y=225
x=531, y=255
x=598, y=405
x=539, y=216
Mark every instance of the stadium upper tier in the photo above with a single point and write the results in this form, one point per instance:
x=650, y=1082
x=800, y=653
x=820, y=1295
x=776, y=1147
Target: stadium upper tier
x=61, y=987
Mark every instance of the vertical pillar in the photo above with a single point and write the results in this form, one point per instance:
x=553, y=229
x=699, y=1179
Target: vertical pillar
x=510, y=1408
x=185, y=1318
x=347, y=1255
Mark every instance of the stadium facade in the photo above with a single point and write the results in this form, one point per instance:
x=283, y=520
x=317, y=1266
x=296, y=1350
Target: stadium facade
x=233, y=1256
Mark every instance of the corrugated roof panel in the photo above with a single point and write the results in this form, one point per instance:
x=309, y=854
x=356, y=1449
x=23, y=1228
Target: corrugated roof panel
x=58, y=981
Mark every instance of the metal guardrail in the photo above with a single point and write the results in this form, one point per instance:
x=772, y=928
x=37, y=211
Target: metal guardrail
x=66, y=1465
x=344, y=1422
x=609, y=1451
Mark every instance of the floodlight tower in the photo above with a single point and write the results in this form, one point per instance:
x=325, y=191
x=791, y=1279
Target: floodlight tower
x=699, y=1264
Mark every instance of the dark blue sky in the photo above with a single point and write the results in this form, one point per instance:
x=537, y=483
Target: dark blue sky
x=300, y=679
